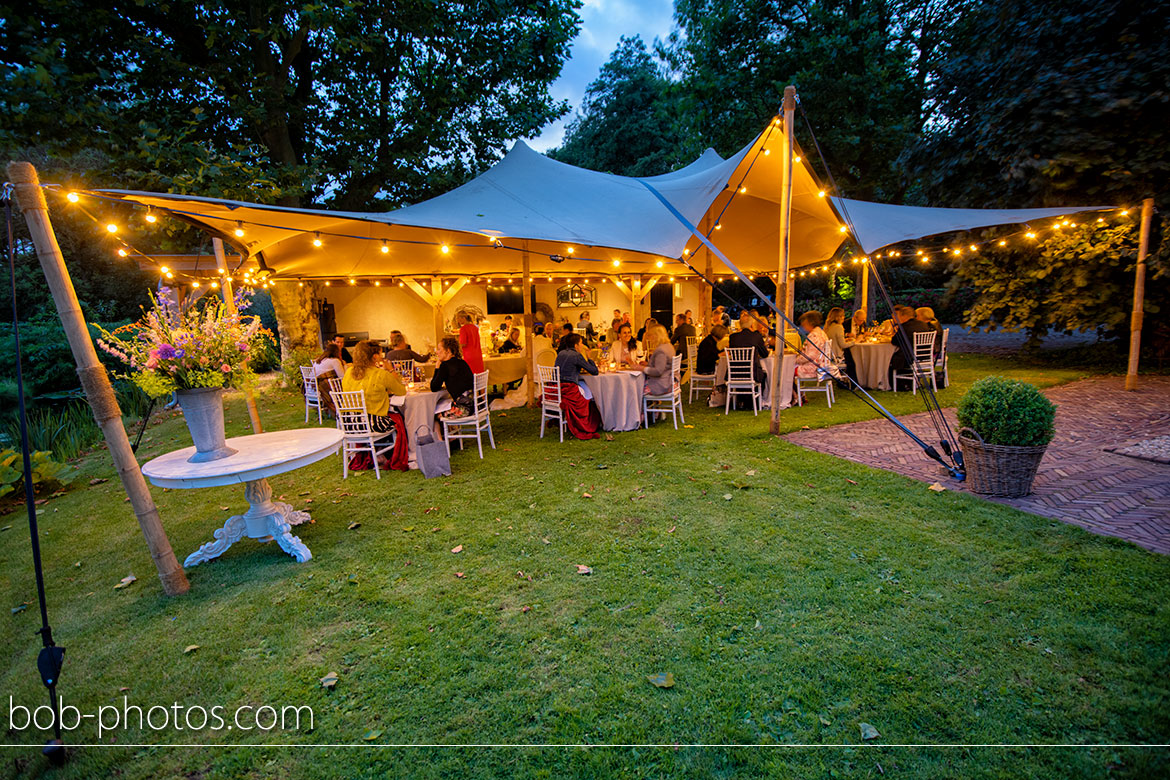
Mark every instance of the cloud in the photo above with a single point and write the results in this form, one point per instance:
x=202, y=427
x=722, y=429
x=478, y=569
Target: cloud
x=603, y=23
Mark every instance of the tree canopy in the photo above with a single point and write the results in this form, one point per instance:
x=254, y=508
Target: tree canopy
x=352, y=105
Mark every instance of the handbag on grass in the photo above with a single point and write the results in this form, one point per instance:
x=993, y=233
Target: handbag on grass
x=431, y=454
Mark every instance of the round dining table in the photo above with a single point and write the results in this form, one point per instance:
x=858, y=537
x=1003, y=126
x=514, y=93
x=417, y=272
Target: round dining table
x=419, y=406
x=618, y=395
x=871, y=360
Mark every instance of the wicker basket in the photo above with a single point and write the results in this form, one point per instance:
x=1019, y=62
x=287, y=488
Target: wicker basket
x=997, y=469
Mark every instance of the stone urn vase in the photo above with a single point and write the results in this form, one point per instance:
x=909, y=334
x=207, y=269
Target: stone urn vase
x=203, y=410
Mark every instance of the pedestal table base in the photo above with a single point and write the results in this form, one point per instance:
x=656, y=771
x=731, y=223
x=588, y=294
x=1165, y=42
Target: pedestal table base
x=264, y=521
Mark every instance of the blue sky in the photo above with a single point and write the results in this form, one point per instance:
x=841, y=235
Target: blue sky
x=603, y=22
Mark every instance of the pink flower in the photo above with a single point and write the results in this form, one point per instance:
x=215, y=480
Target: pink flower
x=225, y=368
x=203, y=360
x=152, y=361
x=243, y=346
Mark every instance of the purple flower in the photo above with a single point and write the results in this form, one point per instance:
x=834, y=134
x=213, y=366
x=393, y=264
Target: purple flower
x=180, y=353
x=166, y=352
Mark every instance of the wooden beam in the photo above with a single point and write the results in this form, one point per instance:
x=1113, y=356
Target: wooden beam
x=458, y=285
x=649, y=286
x=1139, y=295
x=783, y=288
x=437, y=298
x=229, y=302
x=419, y=290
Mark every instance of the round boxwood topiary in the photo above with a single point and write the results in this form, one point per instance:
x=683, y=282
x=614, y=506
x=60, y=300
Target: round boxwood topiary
x=1008, y=412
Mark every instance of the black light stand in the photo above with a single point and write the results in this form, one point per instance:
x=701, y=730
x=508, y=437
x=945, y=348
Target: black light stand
x=51, y=657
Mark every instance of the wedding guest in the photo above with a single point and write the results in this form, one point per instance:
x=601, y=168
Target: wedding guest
x=513, y=342
x=660, y=356
x=566, y=331
x=581, y=414
x=710, y=350
x=857, y=323
x=472, y=352
x=748, y=335
x=682, y=329
x=339, y=340
x=625, y=348
x=586, y=327
x=926, y=314
x=835, y=330
x=454, y=375
x=907, y=325
x=328, y=366
x=611, y=335
x=817, y=350
x=378, y=383
x=650, y=322
x=400, y=350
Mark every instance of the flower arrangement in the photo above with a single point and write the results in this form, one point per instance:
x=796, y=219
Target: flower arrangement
x=204, y=346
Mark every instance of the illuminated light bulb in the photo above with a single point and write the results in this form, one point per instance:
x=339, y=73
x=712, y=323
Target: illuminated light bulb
x=926, y=259
x=672, y=278
x=121, y=253
x=111, y=228
x=767, y=152
x=328, y=283
x=195, y=285
x=1066, y=223
x=317, y=240
x=742, y=190
x=802, y=273
x=616, y=263
x=352, y=281
x=385, y=247
x=659, y=264
x=570, y=250
x=1003, y=243
x=1073, y=224
x=164, y=269
x=73, y=197
x=377, y=283
x=821, y=194
x=1030, y=235
x=865, y=259
x=796, y=158
x=1100, y=219
x=219, y=271
x=686, y=252
x=445, y=249
x=550, y=279
x=215, y=285
x=300, y=284
x=855, y=261
x=239, y=230
x=792, y=276
x=974, y=248
x=838, y=265
x=842, y=229
x=400, y=284
x=1125, y=212
x=151, y=218
x=921, y=252
x=170, y=275
x=824, y=268
x=718, y=225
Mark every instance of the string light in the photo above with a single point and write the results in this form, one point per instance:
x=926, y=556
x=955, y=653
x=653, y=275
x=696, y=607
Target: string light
x=1031, y=235
x=796, y=158
x=239, y=229
x=842, y=229
x=73, y=197
x=659, y=264
x=352, y=281
x=445, y=249
x=195, y=284
x=215, y=285
x=718, y=225
x=151, y=218
x=385, y=247
x=328, y=283
x=111, y=228
x=1003, y=243
x=821, y=194
x=377, y=283
x=617, y=263
x=742, y=190
x=121, y=252
x=317, y=240
x=164, y=269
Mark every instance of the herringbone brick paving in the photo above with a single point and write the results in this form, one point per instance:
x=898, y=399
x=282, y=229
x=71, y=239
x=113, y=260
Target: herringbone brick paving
x=1079, y=482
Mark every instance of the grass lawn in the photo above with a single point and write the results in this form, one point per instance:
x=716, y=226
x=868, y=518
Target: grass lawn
x=792, y=595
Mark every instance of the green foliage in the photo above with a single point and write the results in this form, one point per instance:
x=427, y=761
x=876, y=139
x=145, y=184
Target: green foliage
x=1056, y=102
x=290, y=366
x=629, y=123
x=46, y=473
x=65, y=431
x=359, y=105
x=1008, y=412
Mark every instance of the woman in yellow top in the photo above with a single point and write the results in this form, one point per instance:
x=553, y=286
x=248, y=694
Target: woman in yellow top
x=378, y=384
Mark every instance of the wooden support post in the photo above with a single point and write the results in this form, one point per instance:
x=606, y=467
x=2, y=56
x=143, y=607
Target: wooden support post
x=783, y=288
x=94, y=379
x=437, y=302
x=229, y=302
x=707, y=297
x=529, y=324
x=1139, y=295
x=865, y=290
x=635, y=303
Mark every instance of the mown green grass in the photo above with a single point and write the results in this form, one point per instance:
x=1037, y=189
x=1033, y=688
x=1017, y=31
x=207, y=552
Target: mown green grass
x=820, y=595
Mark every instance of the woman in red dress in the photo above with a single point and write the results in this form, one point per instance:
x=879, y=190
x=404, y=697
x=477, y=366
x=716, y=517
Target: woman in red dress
x=469, y=342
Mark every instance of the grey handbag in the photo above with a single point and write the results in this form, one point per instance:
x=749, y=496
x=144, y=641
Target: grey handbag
x=431, y=454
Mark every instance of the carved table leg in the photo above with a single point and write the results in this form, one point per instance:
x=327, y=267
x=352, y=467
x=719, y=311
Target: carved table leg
x=268, y=520
x=233, y=530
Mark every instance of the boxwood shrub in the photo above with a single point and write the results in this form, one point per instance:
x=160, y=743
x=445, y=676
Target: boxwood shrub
x=1008, y=411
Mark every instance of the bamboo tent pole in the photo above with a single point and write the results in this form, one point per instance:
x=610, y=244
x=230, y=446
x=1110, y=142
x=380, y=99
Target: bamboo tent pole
x=1139, y=295
x=229, y=302
x=783, y=284
x=94, y=379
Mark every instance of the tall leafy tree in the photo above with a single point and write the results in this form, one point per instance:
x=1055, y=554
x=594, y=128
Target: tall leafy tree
x=350, y=104
x=1055, y=102
x=859, y=67
x=629, y=122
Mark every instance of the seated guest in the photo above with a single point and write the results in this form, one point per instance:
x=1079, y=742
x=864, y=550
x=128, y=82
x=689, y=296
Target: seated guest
x=907, y=325
x=566, y=331
x=472, y=352
x=926, y=314
x=455, y=376
x=581, y=414
x=857, y=323
x=328, y=366
x=540, y=341
x=625, y=348
x=749, y=336
x=835, y=330
x=710, y=350
x=660, y=356
x=513, y=342
x=650, y=322
x=400, y=350
x=682, y=329
x=378, y=385
x=817, y=352
x=506, y=325
x=611, y=335
x=339, y=340
x=586, y=327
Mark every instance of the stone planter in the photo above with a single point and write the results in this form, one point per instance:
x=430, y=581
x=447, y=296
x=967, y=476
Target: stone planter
x=203, y=411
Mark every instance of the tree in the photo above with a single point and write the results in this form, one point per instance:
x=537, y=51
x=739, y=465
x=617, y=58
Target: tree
x=629, y=121
x=858, y=65
x=1056, y=102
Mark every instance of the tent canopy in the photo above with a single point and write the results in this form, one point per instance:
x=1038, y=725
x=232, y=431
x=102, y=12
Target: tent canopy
x=574, y=221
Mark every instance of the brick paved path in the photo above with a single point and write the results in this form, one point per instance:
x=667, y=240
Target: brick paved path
x=1079, y=482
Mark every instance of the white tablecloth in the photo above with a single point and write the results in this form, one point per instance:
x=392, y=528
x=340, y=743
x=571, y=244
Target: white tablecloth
x=619, y=398
x=418, y=411
x=872, y=362
x=505, y=368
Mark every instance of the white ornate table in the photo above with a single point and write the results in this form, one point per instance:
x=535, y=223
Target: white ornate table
x=257, y=457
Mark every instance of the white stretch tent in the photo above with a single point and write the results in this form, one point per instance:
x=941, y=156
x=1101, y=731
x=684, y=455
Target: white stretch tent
x=574, y=221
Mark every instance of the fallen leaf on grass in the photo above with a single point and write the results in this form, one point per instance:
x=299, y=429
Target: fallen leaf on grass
x=662, y=680
x=850, y=481
x=868, y=731
x=936, y=487
x=128, y=580
x=224, y=508
x=525, y=609
x=430, y=509
x=459, y=575
x=825, y=721
x=687, y=426
x=545, y=540
x=583, y=569
x=352, y=526
x=726, y=496
x=6, y=528
x=97, y=480
x=190, y=649
x=123, y=689
x=750, y=473
x=672, y=529
x=371, y=735
x=329, y=681
x=457, y=548
x=586, y=495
